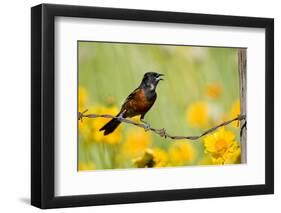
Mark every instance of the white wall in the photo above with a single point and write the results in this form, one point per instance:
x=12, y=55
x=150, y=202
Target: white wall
x=15, y=105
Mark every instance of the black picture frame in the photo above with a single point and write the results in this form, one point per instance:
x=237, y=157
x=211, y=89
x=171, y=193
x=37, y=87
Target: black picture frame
x=43, y=102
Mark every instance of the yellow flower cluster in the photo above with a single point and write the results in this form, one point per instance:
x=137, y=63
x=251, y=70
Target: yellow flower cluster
x=180, y=153
x=137, y=148
x=221, y=146
x=89, y=128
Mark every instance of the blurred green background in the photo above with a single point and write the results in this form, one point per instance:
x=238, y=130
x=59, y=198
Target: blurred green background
x=200, y=89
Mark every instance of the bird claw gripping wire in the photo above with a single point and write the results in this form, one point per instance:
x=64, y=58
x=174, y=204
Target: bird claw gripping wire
x=146, y=126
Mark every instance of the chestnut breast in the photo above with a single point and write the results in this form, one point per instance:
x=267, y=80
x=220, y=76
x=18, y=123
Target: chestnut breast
x=138, y=104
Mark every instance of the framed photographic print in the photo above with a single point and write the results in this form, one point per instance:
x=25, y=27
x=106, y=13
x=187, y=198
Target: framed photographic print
x=140, y=106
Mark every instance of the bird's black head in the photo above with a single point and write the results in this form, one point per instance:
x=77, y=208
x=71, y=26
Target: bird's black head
x=150, y=80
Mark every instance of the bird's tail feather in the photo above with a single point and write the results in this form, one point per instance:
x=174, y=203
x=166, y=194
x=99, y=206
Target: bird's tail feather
x=110, y=126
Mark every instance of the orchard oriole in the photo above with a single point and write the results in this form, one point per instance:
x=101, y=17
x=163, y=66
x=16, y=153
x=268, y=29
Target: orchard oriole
x=137, y=103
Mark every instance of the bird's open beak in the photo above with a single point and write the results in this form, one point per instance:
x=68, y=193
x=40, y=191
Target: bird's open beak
x=159, y=77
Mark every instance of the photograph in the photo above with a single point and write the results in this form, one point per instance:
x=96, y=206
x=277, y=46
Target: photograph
x=157, y=105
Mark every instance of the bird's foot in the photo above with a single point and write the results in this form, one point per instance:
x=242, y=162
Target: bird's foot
x=146, y=125
x=119, y=118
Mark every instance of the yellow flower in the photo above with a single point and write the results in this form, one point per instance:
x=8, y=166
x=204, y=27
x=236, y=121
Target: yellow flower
x=222, y=147
x=197, y=114
x=82, y=98
x=234, y=112
x=152, y=158
x=160, y=157
x=146, y=160
x=136, y=143
x=181, y=153
x=86, y=166
x=213, y=90
x=233, y=155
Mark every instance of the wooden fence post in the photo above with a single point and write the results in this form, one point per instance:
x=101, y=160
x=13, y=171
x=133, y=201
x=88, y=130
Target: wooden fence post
x=242, y=69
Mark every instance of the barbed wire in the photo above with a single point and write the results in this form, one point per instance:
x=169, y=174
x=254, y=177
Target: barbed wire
x=161, y=132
